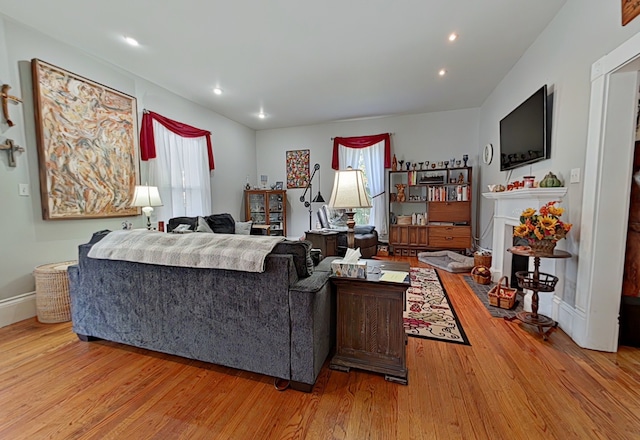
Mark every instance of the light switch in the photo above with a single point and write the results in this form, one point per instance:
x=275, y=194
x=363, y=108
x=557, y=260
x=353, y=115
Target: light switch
x=23, y=189
x=575, y=175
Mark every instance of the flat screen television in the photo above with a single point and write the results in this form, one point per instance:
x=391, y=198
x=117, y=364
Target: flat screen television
x=525, y=133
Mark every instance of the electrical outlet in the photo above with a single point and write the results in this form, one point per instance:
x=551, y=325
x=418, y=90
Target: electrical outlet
x=23, y=189
x=575, y=175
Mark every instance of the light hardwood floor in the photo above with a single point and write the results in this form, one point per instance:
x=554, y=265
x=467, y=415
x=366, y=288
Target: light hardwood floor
x=509, y=384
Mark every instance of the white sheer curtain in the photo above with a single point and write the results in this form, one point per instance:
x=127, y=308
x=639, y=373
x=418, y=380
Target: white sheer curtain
x=373, y=160
x=181, y=173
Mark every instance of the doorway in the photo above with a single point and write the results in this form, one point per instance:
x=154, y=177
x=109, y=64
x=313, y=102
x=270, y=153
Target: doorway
x=630, y=307
x=606, y=192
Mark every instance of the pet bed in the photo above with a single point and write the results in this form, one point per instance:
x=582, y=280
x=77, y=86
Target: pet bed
x=447, y=260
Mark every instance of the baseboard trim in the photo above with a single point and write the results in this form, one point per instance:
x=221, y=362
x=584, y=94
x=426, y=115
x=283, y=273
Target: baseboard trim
x=18, y=308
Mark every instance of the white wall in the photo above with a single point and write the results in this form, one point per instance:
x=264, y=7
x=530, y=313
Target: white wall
x=429, y=136
x=561, y=57
x=27, y=241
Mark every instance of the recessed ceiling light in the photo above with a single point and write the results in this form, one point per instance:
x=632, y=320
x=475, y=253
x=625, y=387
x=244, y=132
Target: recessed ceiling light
x=261, y=115
x=442, y=72
x=217, y=91
x=453, y=36
x=131, y=41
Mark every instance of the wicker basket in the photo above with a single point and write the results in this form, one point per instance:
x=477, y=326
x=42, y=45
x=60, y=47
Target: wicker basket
x=52, y=292
x=481, y=259
x=545, y=282
x=481, y=274
x=543, y=247
x=502, y=295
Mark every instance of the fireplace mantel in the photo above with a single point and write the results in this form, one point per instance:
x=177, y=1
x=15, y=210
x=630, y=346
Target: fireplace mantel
x=546, y=194
x=506, y=215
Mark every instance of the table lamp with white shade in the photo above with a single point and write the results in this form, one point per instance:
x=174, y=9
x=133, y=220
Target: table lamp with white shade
x=349, y=193
x=146, y=197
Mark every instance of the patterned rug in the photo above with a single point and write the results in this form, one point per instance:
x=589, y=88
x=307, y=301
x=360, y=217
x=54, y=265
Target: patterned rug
x=429, y=313
x=481, y=291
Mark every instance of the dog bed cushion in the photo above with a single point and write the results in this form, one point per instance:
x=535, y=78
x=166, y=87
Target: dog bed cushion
x=447, y=260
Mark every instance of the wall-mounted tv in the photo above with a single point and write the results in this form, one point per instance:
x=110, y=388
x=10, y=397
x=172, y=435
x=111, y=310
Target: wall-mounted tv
x=525, y=133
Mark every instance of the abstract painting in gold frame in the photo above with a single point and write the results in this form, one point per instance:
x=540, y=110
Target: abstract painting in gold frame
x=298, y=168
x=87, y=146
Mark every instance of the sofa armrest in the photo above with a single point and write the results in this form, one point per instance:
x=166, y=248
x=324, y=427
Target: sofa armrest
x=312, y=307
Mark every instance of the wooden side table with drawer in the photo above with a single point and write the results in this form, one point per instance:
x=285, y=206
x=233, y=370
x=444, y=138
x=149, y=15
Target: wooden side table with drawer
x=326, y=241
x=369, y=325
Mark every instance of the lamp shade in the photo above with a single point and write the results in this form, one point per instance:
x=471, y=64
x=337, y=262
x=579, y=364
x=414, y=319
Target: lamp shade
x=146, y=196
x=318, y=198
x=349, y=191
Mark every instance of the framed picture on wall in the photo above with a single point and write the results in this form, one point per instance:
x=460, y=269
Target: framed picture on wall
x=630, y=10
x=87, y=146
x=298, y=168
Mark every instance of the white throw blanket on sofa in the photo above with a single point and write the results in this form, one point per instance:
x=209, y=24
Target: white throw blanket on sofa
x=220, y=251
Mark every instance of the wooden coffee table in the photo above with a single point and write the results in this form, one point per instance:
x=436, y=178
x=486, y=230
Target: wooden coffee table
x=370, y=332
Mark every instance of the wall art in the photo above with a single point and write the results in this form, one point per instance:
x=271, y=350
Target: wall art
x=298, y=168
x=630, y=10
x=87, y=146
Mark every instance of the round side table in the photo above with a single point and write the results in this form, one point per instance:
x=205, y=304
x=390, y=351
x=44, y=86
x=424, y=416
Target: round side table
x=537, y=281
x=53, y=303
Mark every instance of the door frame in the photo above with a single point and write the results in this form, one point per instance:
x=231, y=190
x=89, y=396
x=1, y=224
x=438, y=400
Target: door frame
x=605, y=208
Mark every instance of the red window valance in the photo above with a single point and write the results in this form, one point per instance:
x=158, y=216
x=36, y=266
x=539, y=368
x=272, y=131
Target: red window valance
x=147, y=141
x=362, y=142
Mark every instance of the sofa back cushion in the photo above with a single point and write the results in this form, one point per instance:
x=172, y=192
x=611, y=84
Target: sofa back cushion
x=301, y=251
x=221, y=223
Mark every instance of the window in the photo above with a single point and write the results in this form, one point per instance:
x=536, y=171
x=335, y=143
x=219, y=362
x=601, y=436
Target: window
x=181, y=174
x=372, y=160
x=181, y=169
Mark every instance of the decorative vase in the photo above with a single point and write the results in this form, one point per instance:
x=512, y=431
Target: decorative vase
x=543, y=246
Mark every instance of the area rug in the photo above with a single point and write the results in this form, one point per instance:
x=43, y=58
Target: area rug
x=481, y=291
x=429, y=313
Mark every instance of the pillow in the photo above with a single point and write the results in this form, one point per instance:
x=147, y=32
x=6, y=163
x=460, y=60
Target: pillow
x=363, y=229
x=243, y=228
x=203, y=226
x=181, y=229
x=221, y=223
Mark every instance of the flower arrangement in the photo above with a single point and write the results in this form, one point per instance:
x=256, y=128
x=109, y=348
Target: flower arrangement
x=543, y=226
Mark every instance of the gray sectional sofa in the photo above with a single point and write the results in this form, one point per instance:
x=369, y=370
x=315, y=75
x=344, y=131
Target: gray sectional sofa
x=279, y=322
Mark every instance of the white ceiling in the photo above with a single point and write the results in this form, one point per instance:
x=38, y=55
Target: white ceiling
x=299, y=61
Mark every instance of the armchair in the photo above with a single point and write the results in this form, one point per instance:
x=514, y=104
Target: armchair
x=366, y=236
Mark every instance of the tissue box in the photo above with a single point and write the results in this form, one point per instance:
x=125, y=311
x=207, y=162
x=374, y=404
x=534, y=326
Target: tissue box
x=349, y=270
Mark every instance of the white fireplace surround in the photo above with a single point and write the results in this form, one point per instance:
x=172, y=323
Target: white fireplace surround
x=508, y=207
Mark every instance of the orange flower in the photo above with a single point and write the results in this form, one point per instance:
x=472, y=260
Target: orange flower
x=528, y=212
